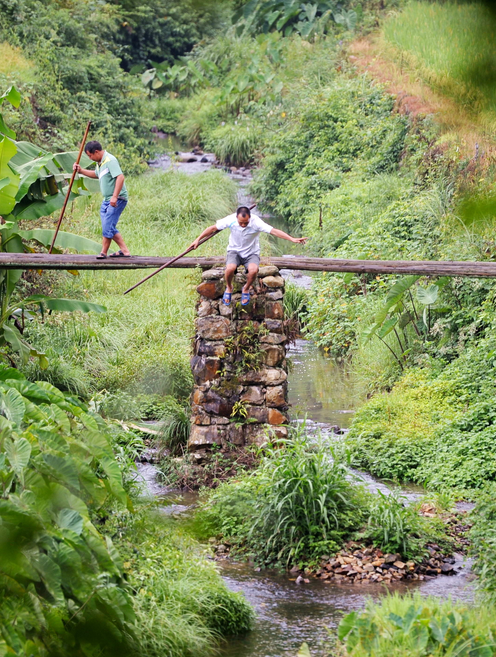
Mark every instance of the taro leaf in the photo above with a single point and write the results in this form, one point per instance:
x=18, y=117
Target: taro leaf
x=399, y=288
x=29, y=390
x=70, y=305
x=13, y=337
x=12, y=96
x=52, y=577
x=370, y=331
x=428, y=296
x=304, y=651
x=347, y=624
x=8, y=192
x=405, y=319
x=147, y=76
x=387, y=327
x=8, y=373
x=63, y=469
x=18, y=453
x=113, y=472
x=12, y=406
x=71, y=520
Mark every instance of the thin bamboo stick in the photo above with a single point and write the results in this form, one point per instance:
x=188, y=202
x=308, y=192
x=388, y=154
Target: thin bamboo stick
x=70, y=187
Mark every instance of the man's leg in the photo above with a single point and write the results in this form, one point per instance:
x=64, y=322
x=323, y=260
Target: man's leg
x=230, y=271
x=250, y=278
x=121, y=244
x=106, y=231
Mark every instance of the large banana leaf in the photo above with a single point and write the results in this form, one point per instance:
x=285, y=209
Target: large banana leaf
x=70, y=305
x=8, y=192
x=64, y=240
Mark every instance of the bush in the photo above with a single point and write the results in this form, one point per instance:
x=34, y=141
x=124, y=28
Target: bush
x=174, y=430
x=418, y=626
x=299, y=504
x=62, y=584
x=483, y=537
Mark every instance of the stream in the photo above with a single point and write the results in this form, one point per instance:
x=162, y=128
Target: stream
x=289, y=614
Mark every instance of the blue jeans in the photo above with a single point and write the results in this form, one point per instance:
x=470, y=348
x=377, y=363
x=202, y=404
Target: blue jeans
x=110, y=216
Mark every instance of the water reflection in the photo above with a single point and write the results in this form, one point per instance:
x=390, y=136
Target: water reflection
x=320, y=388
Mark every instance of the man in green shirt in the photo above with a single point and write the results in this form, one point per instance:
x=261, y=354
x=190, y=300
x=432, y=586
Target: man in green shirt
x=114, y=194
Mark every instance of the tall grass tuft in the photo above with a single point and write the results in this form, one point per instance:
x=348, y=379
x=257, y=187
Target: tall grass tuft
x=236, y=144
x=174, y=431
x=308, y=503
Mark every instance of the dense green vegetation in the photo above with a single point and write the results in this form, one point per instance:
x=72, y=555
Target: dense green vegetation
x=336, y=161
x=418, y=626
x=301, y=503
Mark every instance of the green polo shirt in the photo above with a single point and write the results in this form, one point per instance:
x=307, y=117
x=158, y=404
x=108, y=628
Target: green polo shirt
x=107, y=171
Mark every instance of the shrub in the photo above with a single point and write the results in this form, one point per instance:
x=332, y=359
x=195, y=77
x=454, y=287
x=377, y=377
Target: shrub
x=61, y=580
x=299, y=504
x=418, y=626
x=183, y=607
x=483, y=537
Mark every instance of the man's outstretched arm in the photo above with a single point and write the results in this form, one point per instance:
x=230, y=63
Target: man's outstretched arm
x=280, y=233
x=211, y=230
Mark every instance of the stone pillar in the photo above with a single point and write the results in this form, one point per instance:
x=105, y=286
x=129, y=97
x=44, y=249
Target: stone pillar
x=239, y=363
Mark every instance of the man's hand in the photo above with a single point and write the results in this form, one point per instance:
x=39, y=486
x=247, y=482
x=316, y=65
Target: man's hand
x=300, y=240
x=195, y=244
x=113, y=201
x=77, y=167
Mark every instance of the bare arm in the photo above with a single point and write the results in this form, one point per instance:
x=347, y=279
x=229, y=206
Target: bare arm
x=211, y=230
x=119, y=181
x=86, y=172
x=280, y=233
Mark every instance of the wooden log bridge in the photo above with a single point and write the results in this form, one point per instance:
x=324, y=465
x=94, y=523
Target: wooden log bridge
x=90, y=262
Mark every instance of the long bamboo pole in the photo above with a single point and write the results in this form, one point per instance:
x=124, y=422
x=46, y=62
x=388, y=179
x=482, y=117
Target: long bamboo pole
x=168, y=264
x=70, y=186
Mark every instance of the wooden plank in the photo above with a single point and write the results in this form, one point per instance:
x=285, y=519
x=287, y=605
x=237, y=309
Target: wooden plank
x=89, y=262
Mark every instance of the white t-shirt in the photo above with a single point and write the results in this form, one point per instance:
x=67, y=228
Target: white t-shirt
x=244, y=241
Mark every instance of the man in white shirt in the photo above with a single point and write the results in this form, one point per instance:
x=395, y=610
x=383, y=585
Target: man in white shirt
x=244, y=247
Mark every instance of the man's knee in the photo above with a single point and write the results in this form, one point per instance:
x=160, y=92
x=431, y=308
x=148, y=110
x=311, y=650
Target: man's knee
x=252, y=269
x=230, y=270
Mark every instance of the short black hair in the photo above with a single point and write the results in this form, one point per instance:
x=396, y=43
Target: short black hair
x=93, y=146
x=243, y=211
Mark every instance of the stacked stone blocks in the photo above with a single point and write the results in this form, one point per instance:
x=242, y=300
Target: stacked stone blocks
x=222, y=378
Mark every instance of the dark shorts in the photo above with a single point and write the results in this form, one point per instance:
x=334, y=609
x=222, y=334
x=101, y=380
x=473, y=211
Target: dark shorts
x=234, y=258
x=110, y=216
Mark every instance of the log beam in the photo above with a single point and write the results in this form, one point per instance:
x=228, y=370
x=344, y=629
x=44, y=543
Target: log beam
x=89, y=262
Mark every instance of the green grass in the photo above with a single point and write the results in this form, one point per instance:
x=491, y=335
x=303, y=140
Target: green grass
x=452, y=45
x=183, y=607
x=142, y=343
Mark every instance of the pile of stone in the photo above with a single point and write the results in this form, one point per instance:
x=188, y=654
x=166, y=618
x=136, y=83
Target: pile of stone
x=372, y=565
x=218, y=381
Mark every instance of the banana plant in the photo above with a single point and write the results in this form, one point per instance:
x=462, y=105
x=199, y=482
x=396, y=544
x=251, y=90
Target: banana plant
x=32, y=186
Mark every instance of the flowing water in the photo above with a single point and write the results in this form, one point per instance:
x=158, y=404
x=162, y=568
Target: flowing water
x=289, y=614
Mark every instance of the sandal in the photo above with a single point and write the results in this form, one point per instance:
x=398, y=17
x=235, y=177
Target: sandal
x=226, y=299
x=245, y=298
x=119, y=254
x=102, y=256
